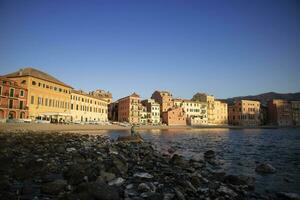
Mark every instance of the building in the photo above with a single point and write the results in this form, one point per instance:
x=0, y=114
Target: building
x=217, y=111
x=280, y=112
x=164, y=98
x=195, y=111
x=128, y=109
x=244, y=113
x=107, y=96
x=113, y=111
x=153, y=109
x=174, y=116
x=48, y=98
x=296, y=112
x=88, y=108
x=13, y=100
x=143, y=114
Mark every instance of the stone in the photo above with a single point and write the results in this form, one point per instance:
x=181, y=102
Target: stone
x=107, y=176
x=143, y=175
x=117, y=182
x=177, y=160
x=54, y=187
x=239, y=180
x=288, y=196
x=265, y=168
x=94, y=190
x=209, y=154
x=179, y=194
x=143, y=187
x=227, y=191
x=168, y=196
x=71, y=149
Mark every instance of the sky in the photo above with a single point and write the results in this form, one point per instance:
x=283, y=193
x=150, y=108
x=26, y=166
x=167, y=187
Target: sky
x=224, y=48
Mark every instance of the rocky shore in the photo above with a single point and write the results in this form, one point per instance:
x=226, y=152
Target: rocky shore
x=78, y=166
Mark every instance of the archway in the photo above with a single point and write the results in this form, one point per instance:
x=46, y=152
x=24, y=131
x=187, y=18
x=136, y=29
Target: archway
x=12, y=115
x=22, y=115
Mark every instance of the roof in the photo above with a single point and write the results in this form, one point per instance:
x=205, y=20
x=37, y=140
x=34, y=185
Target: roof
x=132, y=95
x=29, y=71
x=14, y=83
x=80, y=92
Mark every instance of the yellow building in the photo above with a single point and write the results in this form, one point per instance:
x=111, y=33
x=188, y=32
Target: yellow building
x=153, y=109
x=245, y=113
x=217, y=111
x=195, y=111
x=48, y=97
x=88, y=108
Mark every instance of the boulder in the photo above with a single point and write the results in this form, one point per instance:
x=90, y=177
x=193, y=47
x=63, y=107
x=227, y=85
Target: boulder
x=265, y=168
x=54, y=187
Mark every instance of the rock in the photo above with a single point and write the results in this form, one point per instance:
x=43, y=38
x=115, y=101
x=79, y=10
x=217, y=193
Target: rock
x=106, y=176
x=143, y=175
x=71, y=149
x=240, y=180
x=143, y=187
x=95, y=190
x=265, y=168
x=227, y=191
x=54, y=187
x=171, y=150
x=288, y=196
x=168, y=196
x=179, y=194
x=120, y=164
x=209, y=154
x=117, y=182
x=177, y=160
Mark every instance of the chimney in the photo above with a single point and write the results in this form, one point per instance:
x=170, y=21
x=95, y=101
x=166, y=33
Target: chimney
x=21, y=72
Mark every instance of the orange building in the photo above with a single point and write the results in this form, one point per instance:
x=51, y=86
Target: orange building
x=244, y=113
x=280, y=112
x=174, y=116
x=13, y=100
x=164, y=98
x=128, y=109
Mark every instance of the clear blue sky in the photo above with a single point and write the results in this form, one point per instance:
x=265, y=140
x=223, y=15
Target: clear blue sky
x=225, y=48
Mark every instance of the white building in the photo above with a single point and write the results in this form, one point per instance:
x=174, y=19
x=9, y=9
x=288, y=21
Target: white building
x=153, y=109
x=195, y=111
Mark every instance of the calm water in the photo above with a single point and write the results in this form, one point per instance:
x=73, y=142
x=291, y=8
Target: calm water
x=240, y=150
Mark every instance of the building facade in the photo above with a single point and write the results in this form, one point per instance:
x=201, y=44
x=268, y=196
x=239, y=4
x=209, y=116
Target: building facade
x=128, y=109
x=174, y=116
x=153, y=109
x=143, y=114
x=244, y=113
x=48, y=98
x=195, y=111
x=102, y=94
x=296, y=112
x=13, y=100
x=88, y=108
x=217, y=111
x=164, y=98
x=280, y=112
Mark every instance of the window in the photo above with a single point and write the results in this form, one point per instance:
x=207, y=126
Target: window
x=44, y=85
x=21, y=104
x=50, y=102
x=11, y=92
x=39, y=84
x=32, y=100
x=33, y=83
x=71, y=106
x=21, y=93
x=0, y=90
x=11, y=102
x=46, y=102
x=39, y=100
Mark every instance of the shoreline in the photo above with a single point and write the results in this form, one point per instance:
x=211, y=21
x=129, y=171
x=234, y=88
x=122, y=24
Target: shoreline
x=12, y=127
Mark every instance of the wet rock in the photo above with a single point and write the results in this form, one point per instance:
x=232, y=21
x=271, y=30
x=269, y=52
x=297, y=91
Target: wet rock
x=117, y=182
x=288, y=196
x=54, y=187
x=265, y=168
x=177, y=160
x=71, y=149
x=143, y=175
x=227, y=191
x=143, y=187
x=210, y=154
x=179, y=194
x=106, y=176
x=240, y=180
x=168, y=196
x=95, y=190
